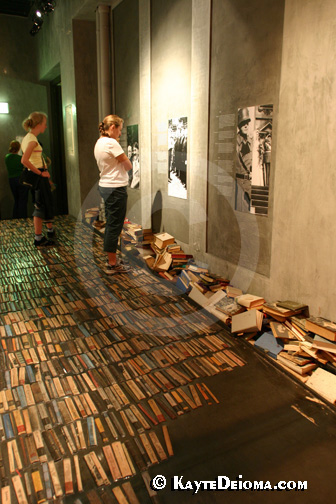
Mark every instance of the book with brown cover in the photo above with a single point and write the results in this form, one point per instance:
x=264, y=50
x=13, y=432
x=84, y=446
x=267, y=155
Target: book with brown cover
x=322, y=327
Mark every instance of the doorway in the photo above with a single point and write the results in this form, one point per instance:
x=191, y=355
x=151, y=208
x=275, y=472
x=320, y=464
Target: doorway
x=57, y=148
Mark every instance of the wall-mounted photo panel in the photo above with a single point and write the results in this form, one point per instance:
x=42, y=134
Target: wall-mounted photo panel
x=253, y=159
x=133, y=156
x=177, y=157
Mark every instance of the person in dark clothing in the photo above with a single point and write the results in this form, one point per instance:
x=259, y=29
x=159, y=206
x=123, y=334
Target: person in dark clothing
x=14, y=169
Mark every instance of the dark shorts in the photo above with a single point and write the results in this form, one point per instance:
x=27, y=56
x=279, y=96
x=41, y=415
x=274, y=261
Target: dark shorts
x=115, y=199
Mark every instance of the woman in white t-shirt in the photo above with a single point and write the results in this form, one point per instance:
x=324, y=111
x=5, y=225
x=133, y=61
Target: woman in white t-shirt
x=32, y=159
x=113, y=165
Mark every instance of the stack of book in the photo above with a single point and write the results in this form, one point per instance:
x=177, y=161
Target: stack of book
x=91, y=215
x=132, y=232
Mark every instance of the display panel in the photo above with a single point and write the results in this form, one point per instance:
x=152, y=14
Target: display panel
x=253, y=159
x=177, y=157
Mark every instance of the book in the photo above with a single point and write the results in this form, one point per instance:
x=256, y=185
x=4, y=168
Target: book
x=233, y=291
x=322, y=327
x=300, y=369
x=278, y=313
x=324, y=383
x=247, y=321
x=291, y=305
x=322, y=344
x=229, y=306
x=300, y=360
x=197, y=269
x=161, y=240
x=163, y=262
x=250, y=300
x=280, y=331
x=269, y=344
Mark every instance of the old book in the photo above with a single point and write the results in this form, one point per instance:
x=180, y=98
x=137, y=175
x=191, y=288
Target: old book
x=161, y=240
x=322, y=327
x=250, y=300
x=163, y=262
x=298, y=359
x=229, y=306
x=324, y=383
x=279, y=330
x=299, y=369
x=269, y=344
x=292, y=305
x=247, y=321
x=233, y=291
x=321, y=344
x=278, y=313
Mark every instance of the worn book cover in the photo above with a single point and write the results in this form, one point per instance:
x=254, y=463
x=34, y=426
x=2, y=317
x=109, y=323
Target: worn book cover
x=229, y=306
x=247, y=321
x=250, y=300
x=161, y=240
x=322, y=327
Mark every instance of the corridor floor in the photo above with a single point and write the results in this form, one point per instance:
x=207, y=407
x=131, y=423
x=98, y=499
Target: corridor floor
x=100, y=374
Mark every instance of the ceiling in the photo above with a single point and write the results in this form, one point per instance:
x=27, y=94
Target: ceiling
x=16, y=7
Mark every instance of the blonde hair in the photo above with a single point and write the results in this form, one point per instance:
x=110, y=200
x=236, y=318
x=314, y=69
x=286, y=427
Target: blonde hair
x=14, y=147
x=107, y=122
x=33, y=120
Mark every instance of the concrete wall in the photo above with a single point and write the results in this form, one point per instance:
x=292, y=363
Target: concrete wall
x=56, y=53
x=170, y=88
x=84, y=44
x=19, y=87
x=303, y=264
x=127, y=85
x=245, y=71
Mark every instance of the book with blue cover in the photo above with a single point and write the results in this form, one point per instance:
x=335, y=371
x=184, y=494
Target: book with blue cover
x=269, y=344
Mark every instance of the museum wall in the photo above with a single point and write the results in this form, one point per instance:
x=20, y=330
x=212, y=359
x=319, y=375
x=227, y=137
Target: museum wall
x=84, y=46
x=303, y=265
x=170, y=92
x=245, y=71
x=127, y=86
x=68, y=48
x=19, y=87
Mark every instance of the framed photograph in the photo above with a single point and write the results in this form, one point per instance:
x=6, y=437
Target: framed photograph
x=133, y=156
x=253, y=159
x=177, y=157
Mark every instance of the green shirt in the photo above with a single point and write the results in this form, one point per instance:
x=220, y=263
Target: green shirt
x=13, y=165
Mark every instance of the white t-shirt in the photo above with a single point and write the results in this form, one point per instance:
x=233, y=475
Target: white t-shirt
x=112, y=173
x=36, y=155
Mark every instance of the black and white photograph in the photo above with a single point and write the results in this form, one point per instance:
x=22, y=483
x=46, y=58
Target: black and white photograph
x=177, y=157
x=133, y=156
x=253, y=159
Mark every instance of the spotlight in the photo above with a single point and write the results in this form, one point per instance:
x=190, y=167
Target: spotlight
x=47, y=6
x=37, y=23
x=36, y=28
x=43, y=7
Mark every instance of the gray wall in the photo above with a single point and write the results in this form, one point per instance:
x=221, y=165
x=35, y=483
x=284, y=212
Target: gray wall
x=127, y=85
x=19, y=87
x=303, y=264
x=171, y=57
x=245, y=71
x=84, y=44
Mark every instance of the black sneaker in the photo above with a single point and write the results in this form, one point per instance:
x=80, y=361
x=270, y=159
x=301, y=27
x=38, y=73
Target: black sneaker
x=118, y=268
x=43, y=242
x=51, y=234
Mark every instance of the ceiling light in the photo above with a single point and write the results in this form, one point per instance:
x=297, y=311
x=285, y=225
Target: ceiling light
x=4, y=108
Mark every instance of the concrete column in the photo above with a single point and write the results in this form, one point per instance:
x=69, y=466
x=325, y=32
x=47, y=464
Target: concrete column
x=145, y=133
x=199, y=115
x=103, y=60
